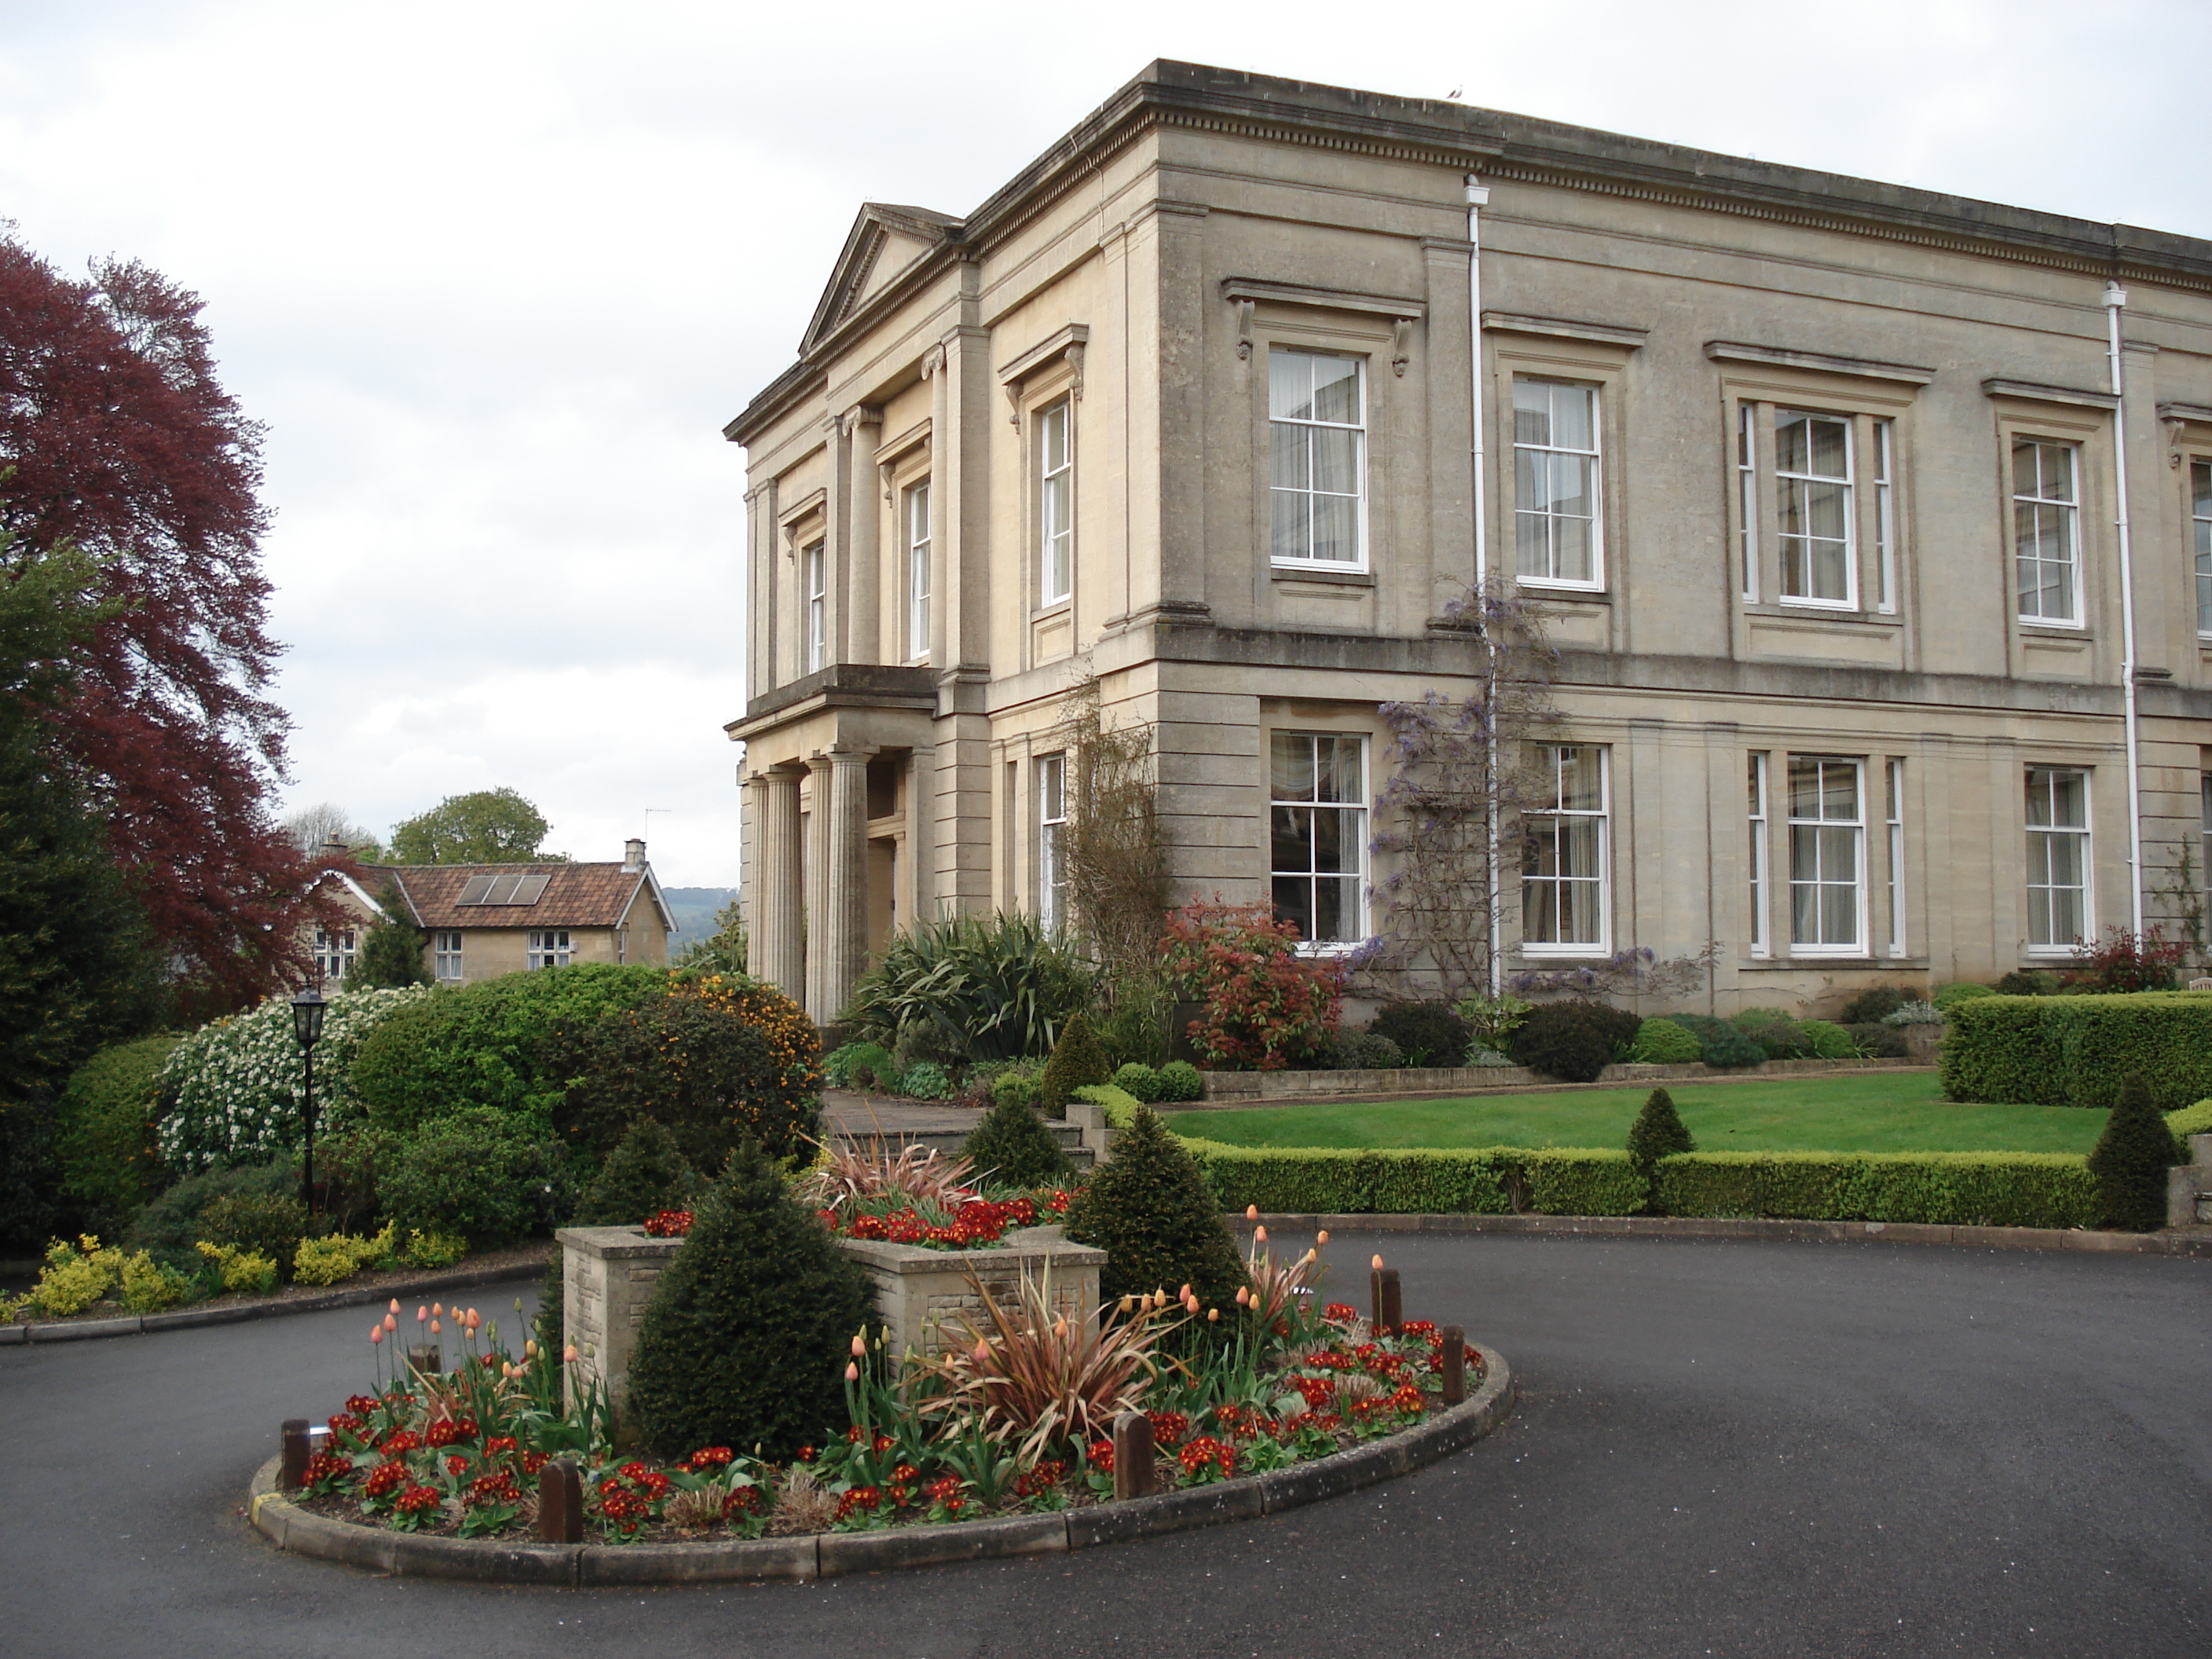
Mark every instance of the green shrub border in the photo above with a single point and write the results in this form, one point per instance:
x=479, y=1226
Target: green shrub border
x=2073, y=1051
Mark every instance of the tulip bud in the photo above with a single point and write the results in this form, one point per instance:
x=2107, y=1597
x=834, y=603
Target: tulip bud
x=1059, y=1327
x=530, y=1349
x=1251, y=1212
x=1322, y=1237
x=1184, y=1291
x=568, y=1354
x=518, y=1305
x=433, y=1327
x=421, y=1314
x=376, y=1333
x=1214, y=1315
x=395, y=1305
x=1240, y=1295
x=474, y=1319
x=1260, y=1235
x=1309, y=1256
x=859, y=1347
x=1377, y=1264
x=851, y=1372
x=983, y=1351
x=391, y=1323
x=1128, y=1305
x=437, y=1310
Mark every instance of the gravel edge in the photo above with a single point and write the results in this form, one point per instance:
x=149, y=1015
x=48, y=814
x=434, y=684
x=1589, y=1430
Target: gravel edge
x=825, y=1555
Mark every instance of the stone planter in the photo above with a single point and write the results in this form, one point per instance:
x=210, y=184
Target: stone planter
x=608, y=1275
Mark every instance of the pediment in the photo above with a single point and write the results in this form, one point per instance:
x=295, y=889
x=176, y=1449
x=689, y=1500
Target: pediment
x=885, y=240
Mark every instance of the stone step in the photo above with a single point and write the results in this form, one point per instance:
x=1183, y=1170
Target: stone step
x=948, y=1142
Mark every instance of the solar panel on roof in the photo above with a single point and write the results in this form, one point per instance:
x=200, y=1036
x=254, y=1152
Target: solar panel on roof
x=477, y=887
x=530, y=889
x=502, y=890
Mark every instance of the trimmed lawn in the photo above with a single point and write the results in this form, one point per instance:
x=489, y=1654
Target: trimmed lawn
x=1898, y=1114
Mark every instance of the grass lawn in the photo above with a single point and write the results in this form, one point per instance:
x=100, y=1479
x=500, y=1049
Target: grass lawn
x=1878, y=1113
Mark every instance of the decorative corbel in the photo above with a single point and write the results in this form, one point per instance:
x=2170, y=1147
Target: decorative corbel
x=1075, y=364
x=885, y=470
x=932, y=360
x=1243, y=330
x=2174, y=428
x=1401, y=333
x=1013, y=405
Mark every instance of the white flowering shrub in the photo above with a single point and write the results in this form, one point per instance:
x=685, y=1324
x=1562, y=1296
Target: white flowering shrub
x=232, y=1089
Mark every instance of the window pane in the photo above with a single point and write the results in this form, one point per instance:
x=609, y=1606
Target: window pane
x=1839, y=914
x=1336, y=529
x=1337, y=769
x=1336, y=389
x=1331, y=850
x=2070, y=800
x=1053, y=438
x=1290, y=385
x=1531, y=412
x=1291, y=775
x=1577, y=556
x=1336, y=461
x=1288, y=467
x=1294, y=902
x=1578, y=847
x=1581, y=779
x=1831, y=446
x=1292, y=840
x=1289, y=528
x=1573, y=411
x=1335, y=903
x=1804, y=788
x=1827, y=507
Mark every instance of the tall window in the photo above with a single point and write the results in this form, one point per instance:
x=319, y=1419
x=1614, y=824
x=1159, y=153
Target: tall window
x=1055, y=506
x=1563, y=864
x=1894, y=797
x=549, y=948
x=917, y=570
x=1555, y=483
x=446, y=955
x=2204, y=843
x=1885, y=521
x=334, y=953
x=1827, y=861
x=1317, y=431
x=1317, y=832
x=2057, y=859
x=818, y=607
x=1755, y=859
x=1812, y=500
x=2046, y=530
x=1052, y=826
x=2200, y=507
x=1746, y=491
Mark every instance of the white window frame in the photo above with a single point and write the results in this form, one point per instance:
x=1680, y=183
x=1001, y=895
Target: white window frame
x=915, y=523
x=1783, y=538
x=550, y=947
x=1760, y=856
x=2204, y=843
x=1550, y=521
x=2027, y=496
x=1056, y=566
x=1885, y=517
x=2200, y=524
x=1893, y=815
x=446, y=954
x=1307, y=425
x=1747, y=484
x=335, y=950
x=1353, y=831
x=814, y=566
x=2081, y=833
x=1553, y=756
x=1857, y=946
x=1051, y=777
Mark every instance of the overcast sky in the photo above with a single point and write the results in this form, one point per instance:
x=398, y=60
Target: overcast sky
x=495, y=276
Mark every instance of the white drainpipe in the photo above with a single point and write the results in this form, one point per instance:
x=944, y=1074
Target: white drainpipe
x=2116, y=297
x=1477, y=197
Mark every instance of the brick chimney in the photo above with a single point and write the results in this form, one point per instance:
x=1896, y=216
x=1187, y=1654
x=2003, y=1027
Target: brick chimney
x=335, y=851
x=633, y=857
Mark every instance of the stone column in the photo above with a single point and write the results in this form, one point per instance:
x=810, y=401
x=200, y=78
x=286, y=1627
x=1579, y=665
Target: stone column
x=844, y=926
x=776, y=953
x=864, y=553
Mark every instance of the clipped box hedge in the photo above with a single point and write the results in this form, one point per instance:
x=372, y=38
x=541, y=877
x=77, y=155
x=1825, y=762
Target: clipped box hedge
x=2074, y=1051
x=1959, y=1189
x=1333, y=1181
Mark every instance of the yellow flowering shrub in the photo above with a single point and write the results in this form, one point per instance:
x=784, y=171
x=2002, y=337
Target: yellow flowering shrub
x=75, y=1276
x=242, y=1269
x=432, y=1249
x=149, y=1286
x=340, y=1256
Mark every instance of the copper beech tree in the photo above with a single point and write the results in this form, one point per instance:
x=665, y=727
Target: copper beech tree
x=116, y=438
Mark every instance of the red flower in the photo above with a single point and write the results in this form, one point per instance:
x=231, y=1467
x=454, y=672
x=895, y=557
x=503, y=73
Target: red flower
x=1168, y=1427
x=668, y=1224
x=710, y=1457
x=361, y=1405
x=418, y=1500
x=534, y=1460
x=400, y=1440
x=860, y=1498
x=1101, y=1456
x=457, y=1466
x=385, y=1478
x=499, y=1444
x=1206, y=1450
x=326, y=1466
x=1042, y=1478
x=1339, y=1313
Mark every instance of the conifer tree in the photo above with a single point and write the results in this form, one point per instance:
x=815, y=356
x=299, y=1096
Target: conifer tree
x=1012, y=1147
x=745, y=1340
x=1657, y=1132
x=645, y=1174
x=1152, y=1212
x=1077, y=1060
x=392, y=955
x=2131, y=1158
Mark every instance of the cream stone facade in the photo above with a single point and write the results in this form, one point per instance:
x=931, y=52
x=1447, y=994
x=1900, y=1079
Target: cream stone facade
x=1815, y=478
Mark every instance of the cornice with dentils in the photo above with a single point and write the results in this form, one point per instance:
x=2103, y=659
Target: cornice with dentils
x=1500, y=144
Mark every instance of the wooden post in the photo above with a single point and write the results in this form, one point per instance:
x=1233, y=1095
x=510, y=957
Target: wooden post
x=1132, y=1455
x=559, y=1503
x=425, y=1359
x=292, y=1442
x=1452, y=1363
x=1389, y=1308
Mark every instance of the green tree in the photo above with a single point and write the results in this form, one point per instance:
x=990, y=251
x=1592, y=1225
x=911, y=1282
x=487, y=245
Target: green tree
x=2131, y=1158
x=1011, y=1148
x=722, y=951
x=747, y=1332
x=392, y=955
x=487, y=826
x=1152, y=1212
x=1077, y=1060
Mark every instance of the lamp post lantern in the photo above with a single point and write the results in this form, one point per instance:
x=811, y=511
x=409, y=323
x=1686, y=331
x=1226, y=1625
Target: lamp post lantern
x=307, y=1008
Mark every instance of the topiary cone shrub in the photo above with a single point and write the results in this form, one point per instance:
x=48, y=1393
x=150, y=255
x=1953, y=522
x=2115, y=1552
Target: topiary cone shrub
x=1011, y=1147
x=1152, y=1212
x=1077, y=1060
x=747, y=1335
x=2131, y=1158
x=1657, y=1132
x=645, y=1174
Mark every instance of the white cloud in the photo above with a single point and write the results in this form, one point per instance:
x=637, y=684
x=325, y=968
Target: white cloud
x=495, y=275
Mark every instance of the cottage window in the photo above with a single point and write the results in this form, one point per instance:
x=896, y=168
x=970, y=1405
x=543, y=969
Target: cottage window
x=1052, y=826
x=446, y=955
x=334, y=953
x=549, y=948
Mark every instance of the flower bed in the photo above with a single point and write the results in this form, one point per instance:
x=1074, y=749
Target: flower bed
x=1019, y=1424
x=969, y=1225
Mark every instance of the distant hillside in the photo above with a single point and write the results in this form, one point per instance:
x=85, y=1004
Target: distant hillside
x=693, y=908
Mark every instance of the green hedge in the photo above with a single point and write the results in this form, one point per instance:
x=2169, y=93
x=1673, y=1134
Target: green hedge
x=1556, y=1181
x=2195, y=1119
x=2073, y=1051
x=1997, y=1189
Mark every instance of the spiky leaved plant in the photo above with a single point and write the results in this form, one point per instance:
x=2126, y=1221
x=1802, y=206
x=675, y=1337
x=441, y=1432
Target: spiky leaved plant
x=746, y=1338
x=2131, y=1158
x=847, y=1174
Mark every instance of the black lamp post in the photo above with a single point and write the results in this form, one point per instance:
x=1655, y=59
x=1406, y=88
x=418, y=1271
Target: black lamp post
x=307, y=1025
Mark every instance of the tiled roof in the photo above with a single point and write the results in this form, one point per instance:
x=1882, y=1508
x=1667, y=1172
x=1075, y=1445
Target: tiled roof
x=575, y=896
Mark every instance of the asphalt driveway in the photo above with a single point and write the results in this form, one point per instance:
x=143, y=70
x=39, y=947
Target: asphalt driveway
x=1721, y=1447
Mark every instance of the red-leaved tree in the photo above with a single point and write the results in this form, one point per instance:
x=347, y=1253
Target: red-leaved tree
x=115, y=435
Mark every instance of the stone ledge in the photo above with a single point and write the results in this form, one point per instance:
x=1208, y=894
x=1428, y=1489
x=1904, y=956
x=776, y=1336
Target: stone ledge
x=1247, y=1497
x=2188, y=1242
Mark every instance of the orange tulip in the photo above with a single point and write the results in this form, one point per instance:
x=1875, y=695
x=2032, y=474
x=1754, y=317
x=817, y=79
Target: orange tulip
x=1260, y=1235
x=395, y=1305
x=391, y=1323
x=1251, y=1212
x=851, y=1372
x=1377, y=1264
x=437, y=1310
x=421, y=1314
x=1322, y=1237
x=568, y=1355
x=433, y=1327
x=376, y=1333
x=1214, y=1315
x=860, y=1348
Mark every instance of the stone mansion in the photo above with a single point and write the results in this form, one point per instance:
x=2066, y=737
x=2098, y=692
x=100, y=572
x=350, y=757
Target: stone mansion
x=1875, y=527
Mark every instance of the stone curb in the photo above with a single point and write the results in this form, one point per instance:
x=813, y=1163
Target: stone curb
x=186, y=1318
x=2193, y=1242
x=826, y=1555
